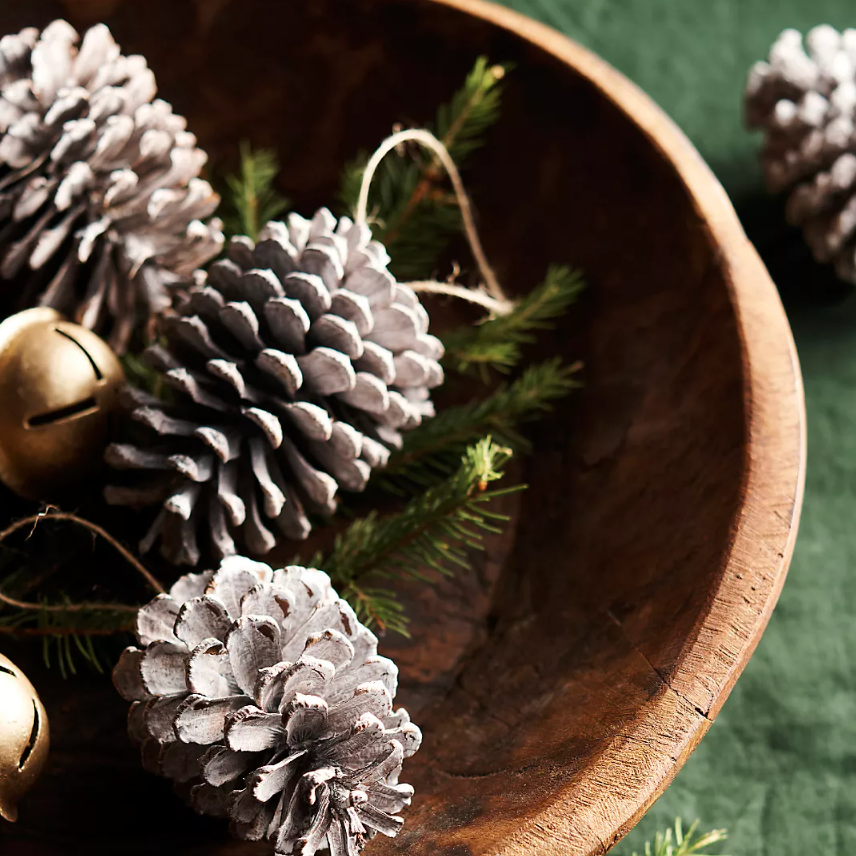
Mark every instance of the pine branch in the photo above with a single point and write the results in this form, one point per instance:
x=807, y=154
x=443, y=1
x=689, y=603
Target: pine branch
x=252, y=200
x=683, y=844
x=433, y=533
x=69, y=637
x=432, y=451
x=413, y=213
x=498, y=342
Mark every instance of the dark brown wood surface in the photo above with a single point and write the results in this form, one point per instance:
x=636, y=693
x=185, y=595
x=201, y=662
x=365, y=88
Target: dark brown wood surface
x=563, y=683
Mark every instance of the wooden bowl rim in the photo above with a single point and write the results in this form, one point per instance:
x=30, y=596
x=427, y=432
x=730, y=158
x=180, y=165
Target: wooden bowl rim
x=766, y=524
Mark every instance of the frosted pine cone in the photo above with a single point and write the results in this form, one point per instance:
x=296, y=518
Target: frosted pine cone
x=806, y=104
x=263, y=695
x=295, y=365
x=99, y=185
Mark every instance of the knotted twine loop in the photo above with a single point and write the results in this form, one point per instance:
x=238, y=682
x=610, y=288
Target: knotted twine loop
x=491, y=296
x=51, y=513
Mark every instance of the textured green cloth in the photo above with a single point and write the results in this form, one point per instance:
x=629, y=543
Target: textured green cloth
x=779, y=766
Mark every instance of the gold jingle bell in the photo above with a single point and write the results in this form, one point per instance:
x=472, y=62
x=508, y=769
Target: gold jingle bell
x=59, y=385
x=24, y=737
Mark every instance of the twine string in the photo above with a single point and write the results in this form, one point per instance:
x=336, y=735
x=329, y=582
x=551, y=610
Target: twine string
x=500, y=304
x=54, y=514
x=479, y=296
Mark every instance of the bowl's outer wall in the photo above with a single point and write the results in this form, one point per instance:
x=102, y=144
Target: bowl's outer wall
x=655, y=536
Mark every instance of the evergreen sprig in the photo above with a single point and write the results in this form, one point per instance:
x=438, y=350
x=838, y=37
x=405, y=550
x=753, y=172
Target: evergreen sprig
x=252, y=199
x=690, y=843
x=498, y=342
x=447, y=467
x=433, y=533
x=433, y=450
x=474, y=108
x=69, y=637
x=413, y=212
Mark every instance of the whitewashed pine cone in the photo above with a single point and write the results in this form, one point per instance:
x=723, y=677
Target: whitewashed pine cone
x=262, y=694
x=295, y=365
x=804, y=99
x=99, y=183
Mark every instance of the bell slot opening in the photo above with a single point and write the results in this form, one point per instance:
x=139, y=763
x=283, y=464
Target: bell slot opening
x=34, y=735
x=6, y=671
x=62, y=414
x=98, y=374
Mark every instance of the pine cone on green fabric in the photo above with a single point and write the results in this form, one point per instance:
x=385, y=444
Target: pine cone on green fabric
x=804, y=99
x=261, y=694
x=295, y=365
x=100, y=196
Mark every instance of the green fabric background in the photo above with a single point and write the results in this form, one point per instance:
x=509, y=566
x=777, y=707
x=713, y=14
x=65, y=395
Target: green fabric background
x=779, y=766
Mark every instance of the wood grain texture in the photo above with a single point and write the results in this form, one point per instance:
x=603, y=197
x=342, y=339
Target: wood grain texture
x=562, y=684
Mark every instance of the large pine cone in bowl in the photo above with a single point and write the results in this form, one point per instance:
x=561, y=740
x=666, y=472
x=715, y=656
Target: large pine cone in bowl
x=559, y=688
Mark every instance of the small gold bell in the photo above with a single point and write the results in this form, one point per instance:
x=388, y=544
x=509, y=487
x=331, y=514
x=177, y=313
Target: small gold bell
x=59, y=384
x=24, y=737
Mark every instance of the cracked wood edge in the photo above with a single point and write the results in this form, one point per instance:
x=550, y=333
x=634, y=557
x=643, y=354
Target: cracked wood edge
x=657, y=672
x=614, y=793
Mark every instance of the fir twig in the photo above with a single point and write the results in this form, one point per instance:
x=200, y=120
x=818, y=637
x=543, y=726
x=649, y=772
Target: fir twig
x=413, y=214
x=498, y=342
x=252, y=199
x=432, y=533
x=683, y=844
x=67, y=636
x=433, y=450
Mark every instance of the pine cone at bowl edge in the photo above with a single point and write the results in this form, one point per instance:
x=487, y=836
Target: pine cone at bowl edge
x=100, y=195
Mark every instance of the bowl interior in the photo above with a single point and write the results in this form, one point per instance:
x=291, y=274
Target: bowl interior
x=526, y=672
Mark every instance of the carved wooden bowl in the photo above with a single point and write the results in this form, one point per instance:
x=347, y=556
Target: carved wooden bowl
x=562, y=685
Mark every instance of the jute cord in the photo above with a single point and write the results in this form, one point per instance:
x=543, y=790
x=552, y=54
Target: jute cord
x=55, y=515
x=491, y=297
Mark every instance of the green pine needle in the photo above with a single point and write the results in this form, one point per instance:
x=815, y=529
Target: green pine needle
x=413, y=212
x=433, y=533
x=377, y=607
x=690, y=843
x=433, y=450
x=474, y=108
x=252, y=200
x=141, y=375
x=80, y=635
x=498, y=342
